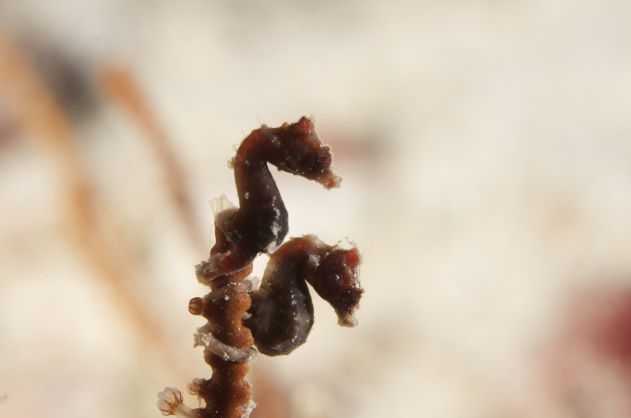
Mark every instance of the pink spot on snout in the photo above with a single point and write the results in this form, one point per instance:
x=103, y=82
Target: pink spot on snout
x=353, y=258
x=305, y=125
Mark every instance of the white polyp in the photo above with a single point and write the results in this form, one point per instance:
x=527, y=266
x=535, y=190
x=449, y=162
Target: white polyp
x=248, y=285
x=170, y=402
x=247, y=409
x=253, y=283
x=272, y=245
x=194, y=387
x=221, y=203
x=345, y=244
x=203, y=269
x=226, y=352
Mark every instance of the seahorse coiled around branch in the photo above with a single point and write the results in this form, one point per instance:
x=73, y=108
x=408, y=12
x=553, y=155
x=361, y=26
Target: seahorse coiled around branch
x=277, y=315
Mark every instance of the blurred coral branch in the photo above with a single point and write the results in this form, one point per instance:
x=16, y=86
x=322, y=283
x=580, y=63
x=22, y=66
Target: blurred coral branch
x=36, y=112
x=126, y=91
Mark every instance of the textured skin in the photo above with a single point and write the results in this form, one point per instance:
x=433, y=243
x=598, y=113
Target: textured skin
x=261, y=221
x=282, y=311
x=258, y=225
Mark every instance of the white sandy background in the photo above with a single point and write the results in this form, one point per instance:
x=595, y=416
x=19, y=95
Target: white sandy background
x=485, y=148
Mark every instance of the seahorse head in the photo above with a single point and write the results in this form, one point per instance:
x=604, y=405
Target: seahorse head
x=303, y=154
x=337, y=281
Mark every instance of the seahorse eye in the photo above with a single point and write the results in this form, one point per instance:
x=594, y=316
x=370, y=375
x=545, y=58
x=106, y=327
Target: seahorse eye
x=317, y=163
x=349, y=299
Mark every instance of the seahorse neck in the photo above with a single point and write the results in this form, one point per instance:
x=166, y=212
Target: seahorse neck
x=298, y=257
x=254, y=181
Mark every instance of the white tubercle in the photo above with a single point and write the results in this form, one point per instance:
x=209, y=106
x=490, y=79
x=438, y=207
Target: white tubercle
x=272, y=245
x=314, y=260
x=347, y=320
x=346, y=244
x=170, y=402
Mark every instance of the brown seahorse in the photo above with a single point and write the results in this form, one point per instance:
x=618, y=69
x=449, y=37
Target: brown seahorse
x=281, y=314
x=260, y=223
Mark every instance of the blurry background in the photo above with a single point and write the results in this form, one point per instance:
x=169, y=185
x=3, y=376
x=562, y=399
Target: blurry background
x=485, y=148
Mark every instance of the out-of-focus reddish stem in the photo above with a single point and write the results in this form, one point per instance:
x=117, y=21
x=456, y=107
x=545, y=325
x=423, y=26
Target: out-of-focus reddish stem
x=46, y=124
x=126, y=91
